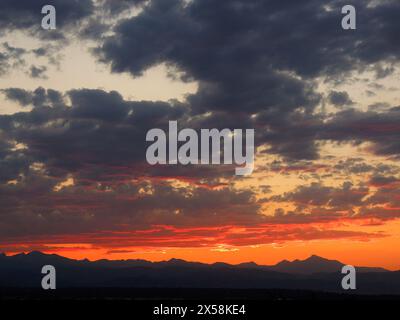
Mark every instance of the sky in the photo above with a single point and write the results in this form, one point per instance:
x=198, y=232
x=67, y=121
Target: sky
x=76, y=104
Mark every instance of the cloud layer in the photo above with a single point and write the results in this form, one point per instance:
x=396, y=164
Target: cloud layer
x=72, y=164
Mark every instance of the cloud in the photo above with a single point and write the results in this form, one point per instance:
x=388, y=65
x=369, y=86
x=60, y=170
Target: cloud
x=34, y=208
x=26, y=14
x=317, y=194
x=255, y=58
x=10, y=57
x=99, y=134
x=117, y=6
x=339, y=99
x=38, y=72
x=37, y=98
x=72, y=166
x=239, y=47
x=99, y=140
x=251, y=32
x=379, y=128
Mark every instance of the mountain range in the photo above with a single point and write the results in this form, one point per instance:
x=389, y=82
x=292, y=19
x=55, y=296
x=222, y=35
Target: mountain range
x=314, y=273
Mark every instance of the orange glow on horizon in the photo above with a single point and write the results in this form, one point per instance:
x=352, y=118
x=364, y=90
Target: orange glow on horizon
x=369, y=253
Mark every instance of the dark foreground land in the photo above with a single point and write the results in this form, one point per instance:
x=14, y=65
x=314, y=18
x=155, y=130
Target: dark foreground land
x=135, y=289
x=180, y=294
x=141, y=304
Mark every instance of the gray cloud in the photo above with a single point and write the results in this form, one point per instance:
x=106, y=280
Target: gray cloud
x=256, y=57
x=256, y=63
x=380, y=128
x=26, y=14
x=317, y=194
x=38, y=72
x=10, y=57
x=340, y=99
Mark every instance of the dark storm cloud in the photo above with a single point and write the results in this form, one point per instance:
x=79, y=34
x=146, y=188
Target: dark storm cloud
x=385, y=202
x=33, y=207
x=37, y=98
x=317, y=194
x=232, y=46
x=292, y=136
x=379, y=128
x=21, y=96
x=256, y=63
x=99, y=140
x=359, y=166
x=97, y=134
x=339, y=99
x=97, y=104
x=385, y=181
x=226, y=46
x=16, y=159
x=257, y=57
x=106, y=13
x=12, y=163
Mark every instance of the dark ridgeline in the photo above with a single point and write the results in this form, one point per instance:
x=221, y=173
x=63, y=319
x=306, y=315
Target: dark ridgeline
x=315, y=273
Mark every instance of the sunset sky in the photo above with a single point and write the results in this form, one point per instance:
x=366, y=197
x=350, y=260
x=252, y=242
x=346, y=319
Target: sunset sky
x=76, y=104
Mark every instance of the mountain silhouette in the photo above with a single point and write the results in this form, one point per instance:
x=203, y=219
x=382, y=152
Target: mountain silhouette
x=313, y=264
x=316, y=264
x=314, y=273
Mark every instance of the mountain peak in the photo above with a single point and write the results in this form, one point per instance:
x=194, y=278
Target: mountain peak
x=316, y=258
x=249, y=264
x=130, y=273
x=35, y=254
x=312, y=264
x=283, y=262
x=175, y=261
